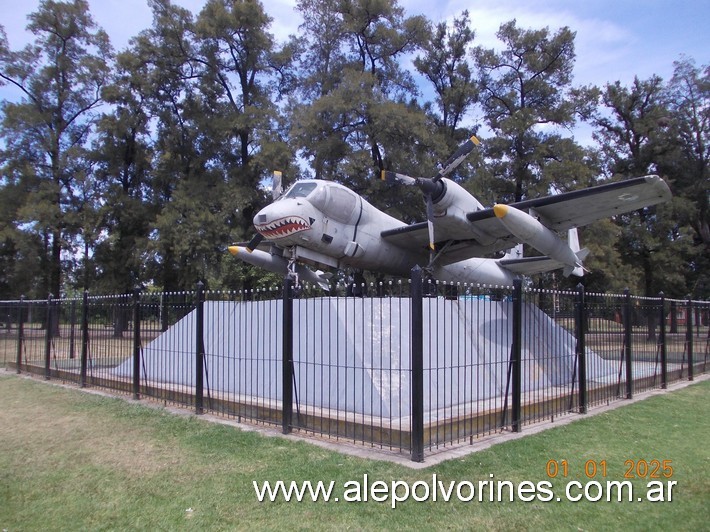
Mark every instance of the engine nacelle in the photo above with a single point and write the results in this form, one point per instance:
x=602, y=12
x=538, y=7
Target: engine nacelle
x=451, y=206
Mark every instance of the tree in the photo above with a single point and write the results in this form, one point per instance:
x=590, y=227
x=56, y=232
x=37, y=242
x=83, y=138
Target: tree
x=210, y=88
x=22, y=258
x=444, y=64
x=60, y=77
x=122, y=154
x=244, y=78
x=357, y=114
x=687, y=163
x=527, y=97
x=632, y=130
x=632, y=127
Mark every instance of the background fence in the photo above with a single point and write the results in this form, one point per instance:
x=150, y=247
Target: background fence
x=408, y=366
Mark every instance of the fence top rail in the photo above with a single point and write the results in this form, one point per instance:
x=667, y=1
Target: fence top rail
x=532, y=290
x=309, y=290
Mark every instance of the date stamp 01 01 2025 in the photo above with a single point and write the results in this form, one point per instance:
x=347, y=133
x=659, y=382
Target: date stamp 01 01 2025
x=657, y=474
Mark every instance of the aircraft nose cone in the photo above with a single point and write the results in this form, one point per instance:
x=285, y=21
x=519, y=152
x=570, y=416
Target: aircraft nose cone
x=278, y=221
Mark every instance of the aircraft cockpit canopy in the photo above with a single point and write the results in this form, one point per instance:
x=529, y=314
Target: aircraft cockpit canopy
x=300, y=190
x=333, y=200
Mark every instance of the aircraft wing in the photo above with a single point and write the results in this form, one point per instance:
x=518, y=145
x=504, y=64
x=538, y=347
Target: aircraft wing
x=531, y=265
x=581, y=207
x=559, y=212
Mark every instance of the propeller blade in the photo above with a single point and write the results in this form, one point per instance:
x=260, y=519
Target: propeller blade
x=394, y=177
x=430, y=221
x=276, y=185
x=458, y=156
x=254, y=242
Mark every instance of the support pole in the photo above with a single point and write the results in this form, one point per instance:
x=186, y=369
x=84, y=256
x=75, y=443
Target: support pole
x=72, y=319
x=516, y=354
x=48, y=339
x=199, y=349
x=417, y=365
x=689, y=338
x=20, y=332
x=287, y=357
x=581, y=329
x=84, y=337
x=136, y=344
x=627, y=344
x=662, y=341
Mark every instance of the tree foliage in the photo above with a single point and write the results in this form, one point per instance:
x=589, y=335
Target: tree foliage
x=60, y=77
x=139, y=169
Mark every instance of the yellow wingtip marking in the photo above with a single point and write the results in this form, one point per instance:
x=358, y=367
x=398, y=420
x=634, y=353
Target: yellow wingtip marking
x=500, y=210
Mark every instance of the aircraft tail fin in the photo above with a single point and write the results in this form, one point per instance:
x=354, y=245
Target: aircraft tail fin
x=323, y=279
x=514, y=253
x=573, y=241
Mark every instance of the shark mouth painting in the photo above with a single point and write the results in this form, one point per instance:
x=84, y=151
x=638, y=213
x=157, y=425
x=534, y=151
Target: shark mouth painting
x=283, y=227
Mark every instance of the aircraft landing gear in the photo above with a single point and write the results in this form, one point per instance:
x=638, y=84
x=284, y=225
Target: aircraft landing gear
x=292, y=273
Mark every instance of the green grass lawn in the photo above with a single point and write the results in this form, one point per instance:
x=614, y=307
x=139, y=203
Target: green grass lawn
x=75, y=461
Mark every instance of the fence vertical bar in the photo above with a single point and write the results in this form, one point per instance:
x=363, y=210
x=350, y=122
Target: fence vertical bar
x=287, y=357
x=199, y=349
x=627, y=344
x=689, y=338
x=581, y=329
x=136, y=343
x=417, y=364
x=48, y=338
x=20, y=332
x=662, y=340
x=84, y=337
x=516, y=354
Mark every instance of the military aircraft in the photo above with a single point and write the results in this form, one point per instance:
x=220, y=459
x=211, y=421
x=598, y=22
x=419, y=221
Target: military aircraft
x=326, y=225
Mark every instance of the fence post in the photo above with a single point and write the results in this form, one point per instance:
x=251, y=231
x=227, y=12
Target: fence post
x=689, y=338
x=417, y=365
x=84, y=336
x=136, y=343
x=662, y=340
x=516, y=353
x=287, y=357
x=627, y=344
x=199, y=349
x=20, y=332
x=581, y=352
x=72, y=319
x=48, y=338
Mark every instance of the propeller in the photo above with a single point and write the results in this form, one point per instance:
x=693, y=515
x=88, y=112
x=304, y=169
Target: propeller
x=254, y=242
x=432, y=186
x=276, y=185
x=457, y=157
x=276, y=192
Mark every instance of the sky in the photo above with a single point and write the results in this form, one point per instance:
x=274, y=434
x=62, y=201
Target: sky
x=616, y=40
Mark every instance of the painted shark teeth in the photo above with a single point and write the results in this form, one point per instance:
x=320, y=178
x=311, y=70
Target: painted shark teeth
x=283, y=227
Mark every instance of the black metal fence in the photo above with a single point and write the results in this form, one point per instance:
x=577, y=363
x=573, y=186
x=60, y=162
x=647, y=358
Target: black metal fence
x=407, y=366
